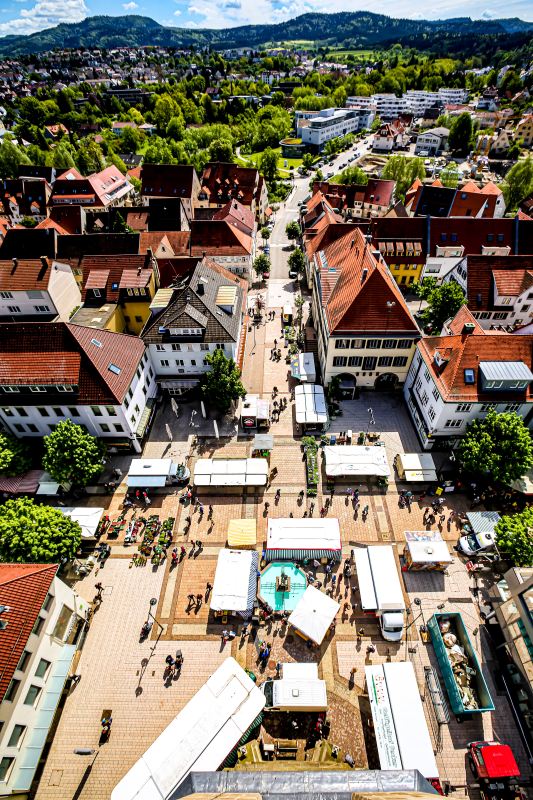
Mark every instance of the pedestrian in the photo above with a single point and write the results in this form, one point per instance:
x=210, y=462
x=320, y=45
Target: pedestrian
x=208, y=587
x=275, y=345
x=322, y=512
x=274, y=314
x=349, y=492
x=199, y=600
x=190, y=598
x=349, y=760
x=371, y=648
x=99, y=587
x=210, y=512
x=328, y=569
x=225, y=636
x=352, y=672
x=360, y=633
x=198, y=544
x=182, y=552
x=333, y=580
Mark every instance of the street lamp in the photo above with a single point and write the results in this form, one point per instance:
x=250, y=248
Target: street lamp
x=371, y=421
x=153, y=602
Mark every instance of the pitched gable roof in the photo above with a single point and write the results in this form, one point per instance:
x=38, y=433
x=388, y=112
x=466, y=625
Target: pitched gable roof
x=218, y=237
x=237, y=215
x=20, y=275
x=23, y=587
x=168, y=180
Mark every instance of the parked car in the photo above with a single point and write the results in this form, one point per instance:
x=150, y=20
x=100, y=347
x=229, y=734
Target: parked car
x=293, y=274
x=472, y=543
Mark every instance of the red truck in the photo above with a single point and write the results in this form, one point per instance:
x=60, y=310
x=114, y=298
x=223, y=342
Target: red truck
x=495, y=767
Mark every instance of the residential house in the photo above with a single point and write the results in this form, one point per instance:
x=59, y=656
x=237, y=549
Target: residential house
x=524, y=130
x=432, y=142
x=389, y=136
x=55, y=132
x=99, y=191
x=119, y=127
x=54, y=371
x=117, y=290
x=225, y=243
x=37, y=289
x=373, y=199
x=41, y=624
x=365, y=332
x=25, y=197
x=203, y=312
x=459, y=377
x=496, y=144
x=170, y=182
x=221, y=183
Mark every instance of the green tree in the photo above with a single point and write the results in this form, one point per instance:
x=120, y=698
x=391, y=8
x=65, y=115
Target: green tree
x=449, y=176
x=222, y=385
x=308, y=160
x=261, y=265
x=461, y=134
x=72, y=455
x=89, y=157
x=221, y=150
x=165, y=108
x=498, y=445
x=404, y=171
x=443, y=301
x=265, y=233
x=514, y=537
x=268, y=164
x=32, y=533
x=297, y=260
x=11, y=157
x=518, y=183
x=176, y=128
x=292, y=230
x=352, y=175
x=14, y=456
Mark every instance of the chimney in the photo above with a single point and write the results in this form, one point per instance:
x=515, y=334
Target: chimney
x=203, y=253
x=352, y=243
x=200, y=288
x=364, y=275
x=468, y=328
x=44, y=267
x=15, y=265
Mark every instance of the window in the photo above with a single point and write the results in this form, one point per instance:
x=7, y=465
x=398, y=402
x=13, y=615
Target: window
x=463, y=408
x=57, y=411
x=6, y=765
x=42, y=668
x=47, y=602
x=426, y=374
x=160, y=347
x=165, y=362
x=23, y=660
x=418, y=384
x=385, y=361
x=204, y=346
x=111, y=410
x=12, y=690
x=33, y=428
x=193, y=362
x=399, y=361
x=435, y=393
x=42, y=309
x=73, y=412
x=389, y=344
x=138, y=319
x=11, y=389
x=97, y=292
x=373, y=344
x=357, y=344
x=524, y=308
x=369, y=363
x=17, y=735
x=118, y=427
x=453, y=423
x=6, y=295
x=470, y=376
x=62, y=623
x=43, y=412
x=14, y=309
x=37, y=389
x=180, y=362
x=339, y=361
x=176, y=347
x=506, y=301
x=63, y=388
x=404, y=344
x=19, y=428
x=21, y=411
x=431, y=413
x=7, y=412
x=488, y=406
x=512, y=407
x=38, y=626
x=104, y=428
x=342, y=344
x=97, y=411
x=150, y=372
x=32, y=697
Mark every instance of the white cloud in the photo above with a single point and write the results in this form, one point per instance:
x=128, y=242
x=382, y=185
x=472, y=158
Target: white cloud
x=129, y=6
x=45, y=14
x=177, y=13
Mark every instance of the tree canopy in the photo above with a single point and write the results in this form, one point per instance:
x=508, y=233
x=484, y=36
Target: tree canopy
x=443, y=301
x=268, y=164
x=518, y=183
x=35, y=533
x=292, y=229
x=404, y=171
x=222, y=385
x=352, y=175
x=297, y=260
x=72, y=455
x=262, y=265
x=514, y=537
x=498, y=445
x=461, y=135
x=14, y=456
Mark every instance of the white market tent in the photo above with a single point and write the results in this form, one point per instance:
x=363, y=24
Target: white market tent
x=87, y=518
x=427, y=547
x=416, y=467
x=294, y=539
x=314, y=614
x=151, y=472
x=310, y=402
x=356, y=461
x=235, y=584
x=231, y=472
x=299, y=689
x=400, y=725
x=199, y=738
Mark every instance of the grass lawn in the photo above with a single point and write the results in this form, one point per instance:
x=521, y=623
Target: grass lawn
x=284, y=164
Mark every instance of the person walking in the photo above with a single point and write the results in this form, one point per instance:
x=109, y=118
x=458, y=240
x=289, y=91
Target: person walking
x=199, y=601
x=208, y=589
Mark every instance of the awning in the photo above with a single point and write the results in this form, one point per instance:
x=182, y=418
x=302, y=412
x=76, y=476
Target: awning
x=310, y=402
x=314, y=614
x=150, y=472
x=242, y=533
x=263, y=441
x=231, y=472
x=356, y=460
x=483, y=521
x=235, y=583
x=22, y=484
x=416, y=467
x=145, y=417
x=524, y=485
x=427, y=547
x=293, y=539
x=301, y=553
x=87, y=518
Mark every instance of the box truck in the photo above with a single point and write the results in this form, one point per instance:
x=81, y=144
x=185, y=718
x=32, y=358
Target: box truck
x=380, y=589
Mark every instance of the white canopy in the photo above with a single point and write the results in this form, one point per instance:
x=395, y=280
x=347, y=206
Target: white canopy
x=356, y=461
x=199, y=738
x=87, y=518
x=234, y=587
x=145, y=472
x=310, y=402
x=416, y=467
x=427, y=547
x=314, y=614
x=303, y=534
x=306, y=364
x=299, y=688
x=231, y=472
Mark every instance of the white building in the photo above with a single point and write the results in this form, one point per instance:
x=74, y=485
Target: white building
x=453, y=97
x=431, y=142
x=40, y=625
x=388, y=106
x=37, y=289
x=457, y=378
x=331, y=123
x=98, y=379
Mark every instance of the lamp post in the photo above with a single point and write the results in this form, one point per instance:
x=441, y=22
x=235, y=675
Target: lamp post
x=153, y=602
x=371, y=421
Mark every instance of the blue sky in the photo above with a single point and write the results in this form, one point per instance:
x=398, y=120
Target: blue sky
x=27, y=16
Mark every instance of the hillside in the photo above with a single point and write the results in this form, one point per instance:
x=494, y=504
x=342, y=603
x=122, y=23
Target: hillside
x=349, y=29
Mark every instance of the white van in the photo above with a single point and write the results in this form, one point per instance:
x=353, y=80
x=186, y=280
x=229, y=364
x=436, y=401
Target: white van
x=380, y=589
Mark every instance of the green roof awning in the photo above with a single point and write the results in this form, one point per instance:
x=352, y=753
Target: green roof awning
x=145, y=417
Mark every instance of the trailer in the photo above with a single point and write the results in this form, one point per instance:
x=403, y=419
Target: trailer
x=467, y=690
x=380, y=589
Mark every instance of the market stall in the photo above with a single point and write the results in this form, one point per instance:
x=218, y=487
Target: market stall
x=242, y=533
x=416, y=467
x=147, y=473
x=356, y=461
x=262, y=445
x=255, y=412
x=303, y=367
x=238, y=472
x=235, y=583
x=313, y=615
x=87, y=518
x=292, y=539
x=311, y=407
x=426, y=550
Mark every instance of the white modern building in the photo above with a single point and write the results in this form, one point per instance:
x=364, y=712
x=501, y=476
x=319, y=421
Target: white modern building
x=431, y=142
x=331, y=123
x=41, y=620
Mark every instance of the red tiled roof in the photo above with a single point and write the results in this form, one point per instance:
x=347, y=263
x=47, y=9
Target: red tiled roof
x=164, y=180
x=237, y=215
x=217, y=237
x=467, y=204
x=155, y=240
x=491, y=188
x=179, y=241
x=24, y=275
x=223, y=182
x=512, y=282
x=114, y=266
x=481, y=271
x=466, y=352
x=135, y=279
x=49, y=223
x=464, y=316
x=60, y=368
x=23, y=587
x=97, y=279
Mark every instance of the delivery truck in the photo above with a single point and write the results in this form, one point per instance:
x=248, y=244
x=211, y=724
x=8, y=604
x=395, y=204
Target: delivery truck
x=467, y=691
x=380, y=589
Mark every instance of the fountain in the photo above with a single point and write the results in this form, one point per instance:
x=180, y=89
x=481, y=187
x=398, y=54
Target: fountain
x=283, y=582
